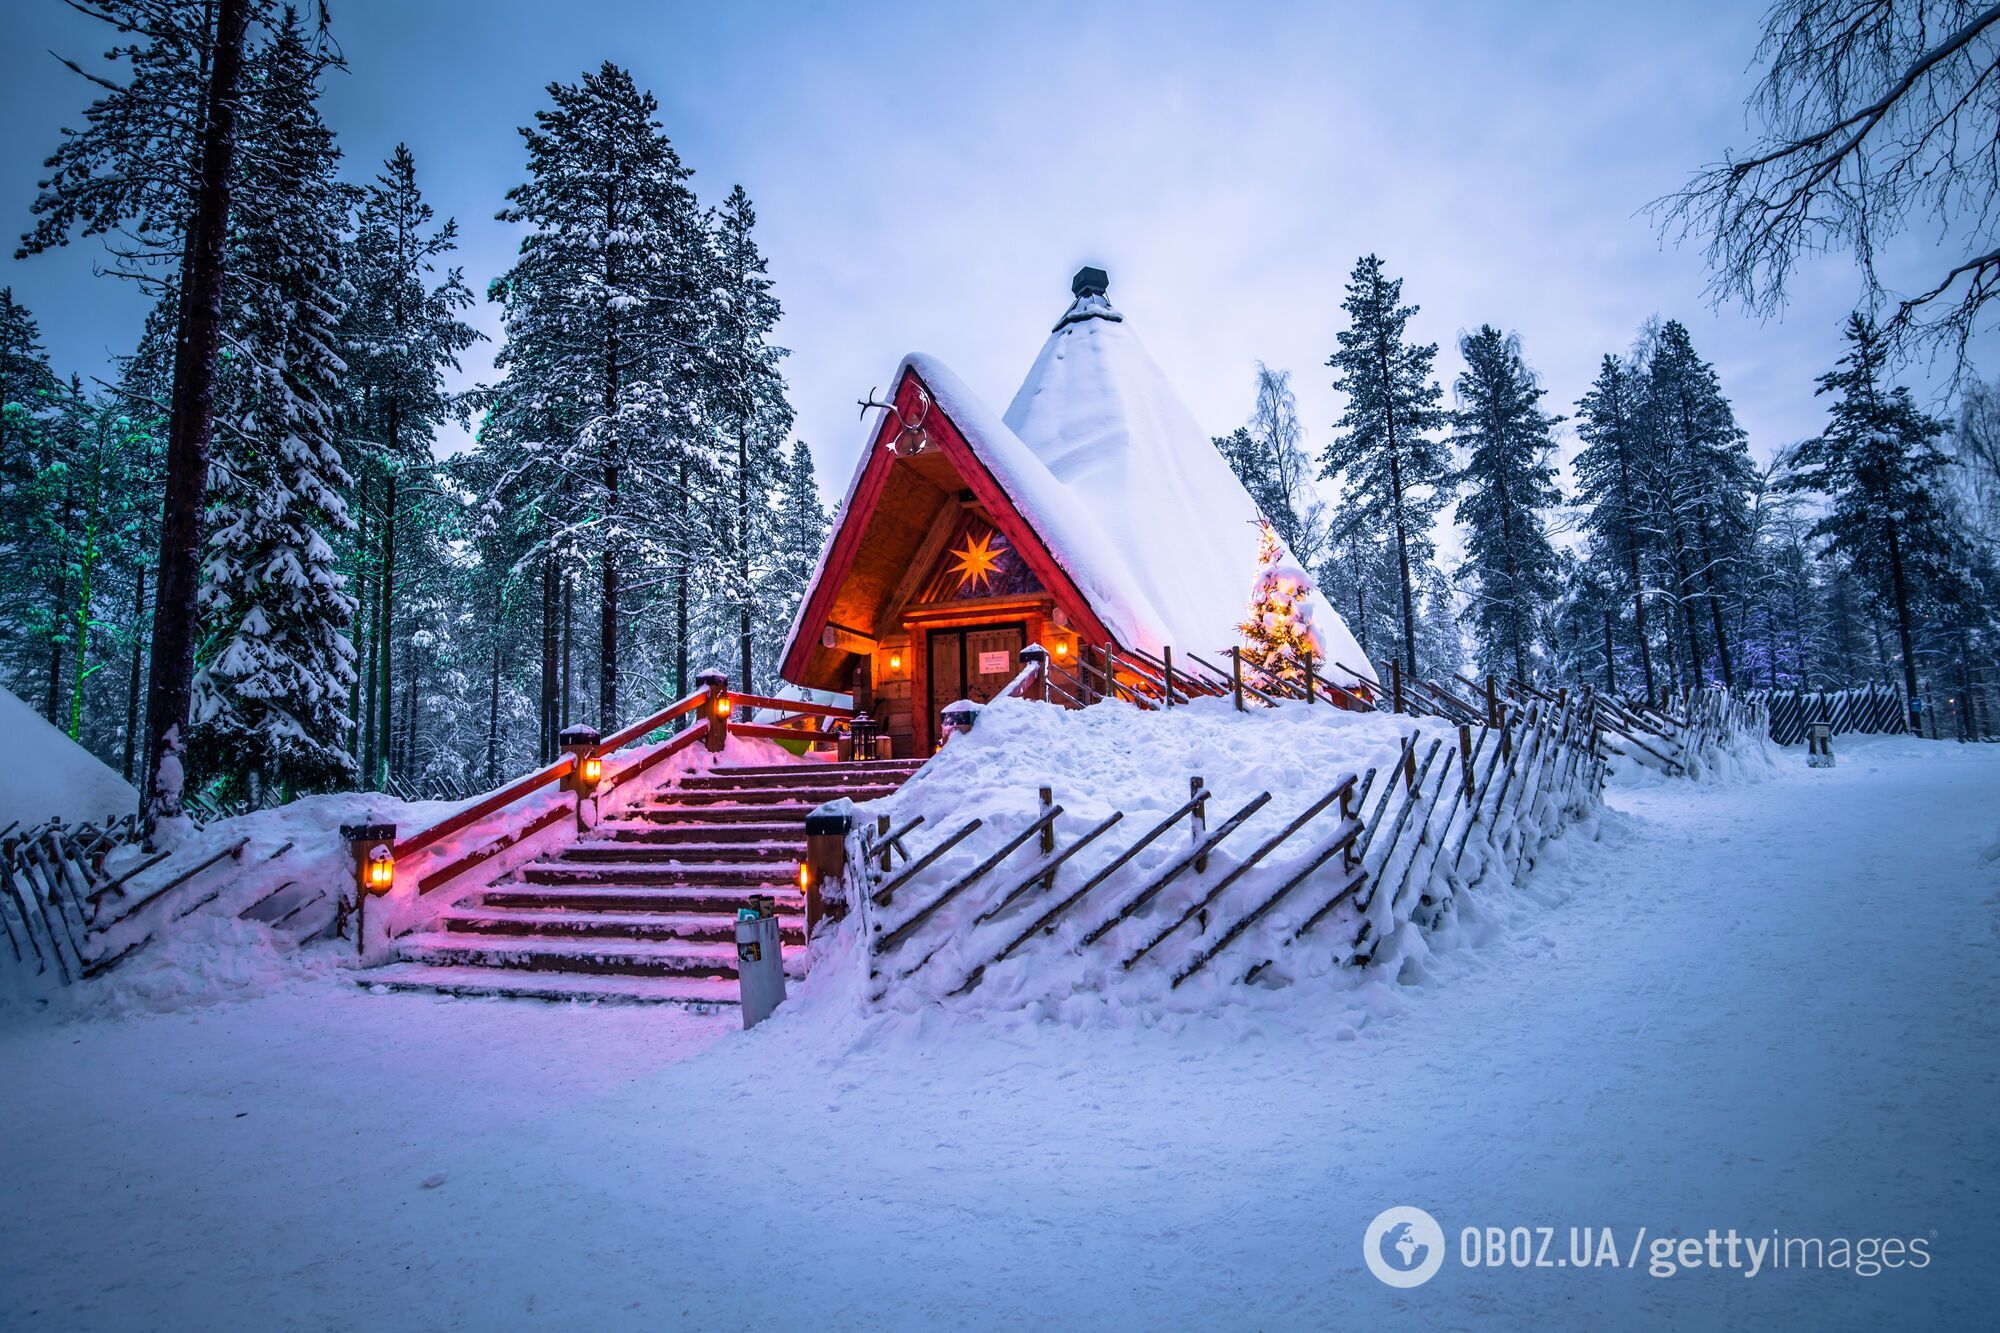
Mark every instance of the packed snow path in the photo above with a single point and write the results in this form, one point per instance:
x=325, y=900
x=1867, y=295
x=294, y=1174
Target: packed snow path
x=1767, y=1007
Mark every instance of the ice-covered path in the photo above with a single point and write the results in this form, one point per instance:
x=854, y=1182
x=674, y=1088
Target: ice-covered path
x=1767, y=1007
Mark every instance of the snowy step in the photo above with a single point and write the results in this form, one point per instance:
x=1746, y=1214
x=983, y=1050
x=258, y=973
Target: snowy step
x=642, y=872
x=616, y=898
x=888, y=767
x=704, y=926
x=510, y=983
x=840, y=779
x=790, y=835
x=729, y=814
x=687, y=853
x=622, y=957
x=793, y=795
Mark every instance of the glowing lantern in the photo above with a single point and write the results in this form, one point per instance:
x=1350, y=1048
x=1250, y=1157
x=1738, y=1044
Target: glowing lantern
x=805, y=877
x=722, y=706
x=379, y=873
x=593, y=769
x=1062, y=648
x=895, y=661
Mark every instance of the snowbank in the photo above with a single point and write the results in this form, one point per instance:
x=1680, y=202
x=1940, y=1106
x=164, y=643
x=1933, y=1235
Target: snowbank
x=264, y=915
x=1116, y=758
x=44, y=774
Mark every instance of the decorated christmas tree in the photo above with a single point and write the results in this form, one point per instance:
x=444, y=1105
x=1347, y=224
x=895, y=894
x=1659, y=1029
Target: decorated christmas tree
x=1278, y=631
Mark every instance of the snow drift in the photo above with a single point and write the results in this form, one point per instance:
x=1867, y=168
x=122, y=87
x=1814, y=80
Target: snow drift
x=1425, y=857
x=44, y=774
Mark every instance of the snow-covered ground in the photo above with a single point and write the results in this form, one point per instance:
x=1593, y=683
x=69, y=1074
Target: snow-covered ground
x=1766, y=1007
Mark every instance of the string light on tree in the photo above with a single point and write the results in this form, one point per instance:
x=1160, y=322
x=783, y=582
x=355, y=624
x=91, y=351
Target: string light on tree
x=1278, y=631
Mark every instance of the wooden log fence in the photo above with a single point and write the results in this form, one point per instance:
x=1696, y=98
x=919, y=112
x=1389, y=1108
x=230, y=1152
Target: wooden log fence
x=1400, y=862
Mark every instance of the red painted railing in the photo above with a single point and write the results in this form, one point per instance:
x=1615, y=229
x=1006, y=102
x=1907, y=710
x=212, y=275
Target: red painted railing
x=717, y=707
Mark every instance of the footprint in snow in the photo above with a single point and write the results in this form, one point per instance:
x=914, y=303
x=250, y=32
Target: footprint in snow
x=433, y=1180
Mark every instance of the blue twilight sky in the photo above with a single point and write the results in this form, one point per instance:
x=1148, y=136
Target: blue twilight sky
x=927, y=176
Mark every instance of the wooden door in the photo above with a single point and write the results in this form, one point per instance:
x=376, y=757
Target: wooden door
x=975, y=663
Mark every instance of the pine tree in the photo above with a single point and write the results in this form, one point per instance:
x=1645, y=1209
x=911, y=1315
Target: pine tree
x=32, y=507
x=1700, y=470
x=1507, y=479
x=1880, y=466
x=1609, y=470
x=800, y=528
x=269, y=706
x=154, y=169
x=749, y=409
x=1394, y=471
x=1278, y=630
x=402, y=332
x=604, y=312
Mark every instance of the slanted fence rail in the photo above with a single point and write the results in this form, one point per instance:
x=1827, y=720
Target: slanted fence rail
x=1161, y=898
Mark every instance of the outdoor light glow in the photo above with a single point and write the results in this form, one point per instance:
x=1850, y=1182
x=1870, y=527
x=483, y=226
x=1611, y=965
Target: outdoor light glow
x=722, y=706
x=805, y=877
x=895, y=661
x=1062, y=649
x=380, y=873
x=593, y=768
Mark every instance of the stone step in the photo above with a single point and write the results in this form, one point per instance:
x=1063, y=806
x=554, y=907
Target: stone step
x=687, y=853
x=647, y=958
x=791, y=836
x=742, y=877
x=902, y=767
x=624, y=898
x=794, y=814
x=818, y=775
x=524, y=921
x=791, y=795
x=700, y=993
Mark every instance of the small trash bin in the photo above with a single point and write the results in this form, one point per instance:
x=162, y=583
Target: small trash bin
x=760, y=959
x=1819, y=745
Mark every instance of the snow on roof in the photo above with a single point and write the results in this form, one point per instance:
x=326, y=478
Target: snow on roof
x=1136, y=504
x=1104, y=419
x=47, y=774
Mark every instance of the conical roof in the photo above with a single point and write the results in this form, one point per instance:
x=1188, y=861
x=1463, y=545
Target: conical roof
x=1102, y=416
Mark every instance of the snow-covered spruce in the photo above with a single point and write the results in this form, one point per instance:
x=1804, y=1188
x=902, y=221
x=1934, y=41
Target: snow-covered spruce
x=1114, y=758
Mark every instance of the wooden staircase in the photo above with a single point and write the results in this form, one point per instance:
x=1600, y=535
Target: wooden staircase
x=643, y=908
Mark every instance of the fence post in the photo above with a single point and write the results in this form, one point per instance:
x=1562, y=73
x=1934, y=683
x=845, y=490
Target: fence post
x=586, y=769
x=1465, y=757
x=1236, y=676
x=1307, y=654
x=715, y=708
x=374, y=849
x=1037, y=657
x=1492, y=703
x=1198, y=822
x=826, y=858
x=1167, y=659
x=1395, y=686
x=882, y=834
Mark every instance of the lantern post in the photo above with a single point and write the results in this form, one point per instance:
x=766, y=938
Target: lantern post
x=580, y=744
x=374, y=849
x=715, y=708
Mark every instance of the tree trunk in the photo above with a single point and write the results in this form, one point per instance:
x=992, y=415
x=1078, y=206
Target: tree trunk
x=385, y=618
x=493, y=697
x=1610, y=667
x=743, y=553
x=406, y=746
x=545, y=745
x=1903, y=622
x=134, y=680
x=191, y=423
x=568, y=639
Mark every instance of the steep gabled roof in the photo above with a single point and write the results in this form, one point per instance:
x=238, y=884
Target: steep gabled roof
x=1103, y=481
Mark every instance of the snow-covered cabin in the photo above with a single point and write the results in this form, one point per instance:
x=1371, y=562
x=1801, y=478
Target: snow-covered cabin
x=1095, y=511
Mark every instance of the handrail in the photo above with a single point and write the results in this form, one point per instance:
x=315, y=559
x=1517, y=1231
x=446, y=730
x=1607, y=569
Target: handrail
x=626, y=735
x=478, y=810
x=796, y=706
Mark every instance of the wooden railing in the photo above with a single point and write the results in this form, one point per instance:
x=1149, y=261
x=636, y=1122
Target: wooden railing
x=585, y=769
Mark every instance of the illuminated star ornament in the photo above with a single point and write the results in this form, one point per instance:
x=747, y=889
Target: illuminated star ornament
x=975, y=562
